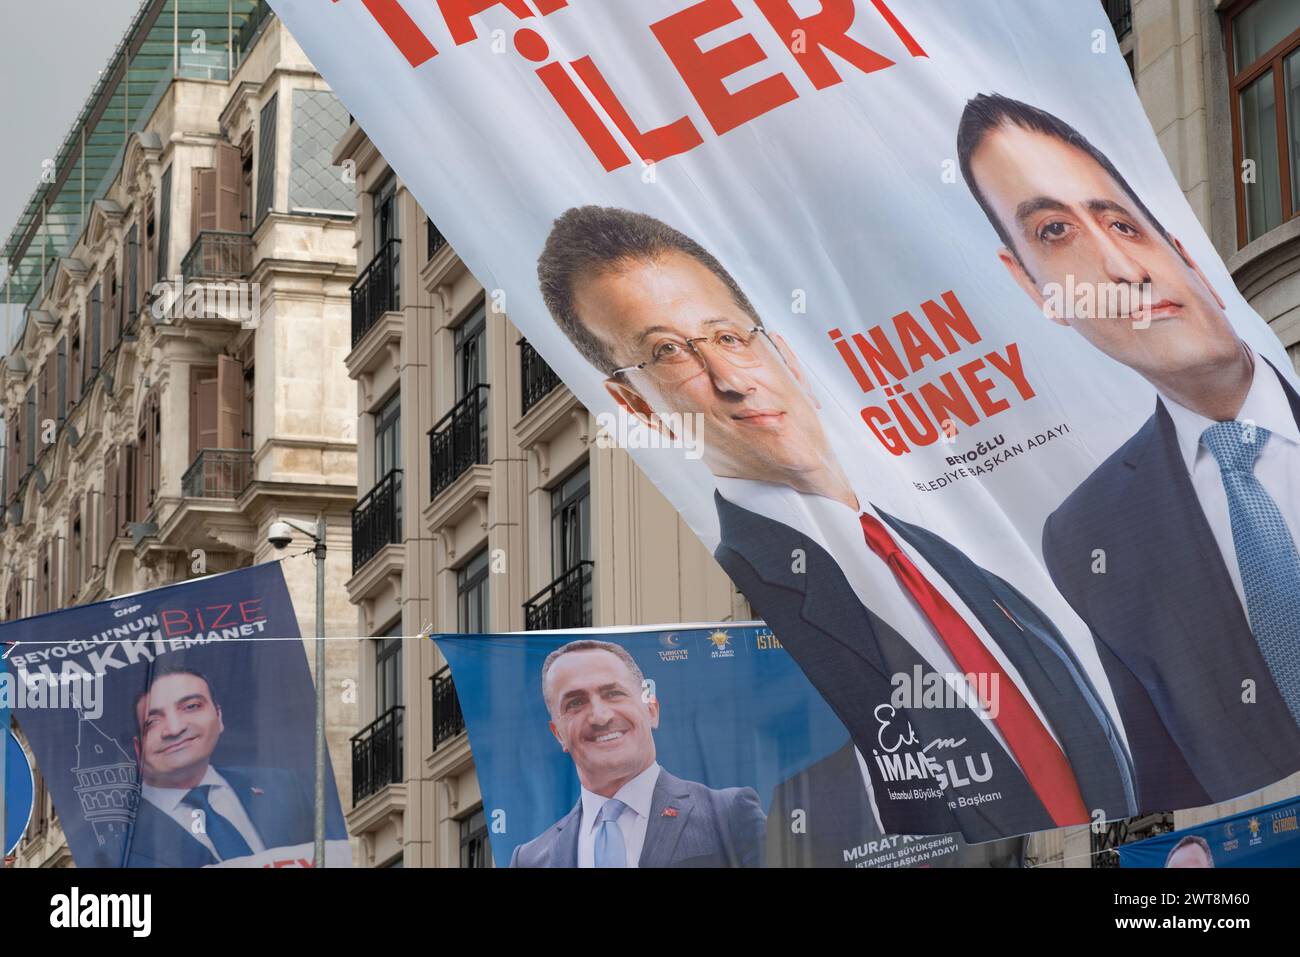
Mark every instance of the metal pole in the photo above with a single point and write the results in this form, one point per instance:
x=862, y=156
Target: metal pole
x=320, y=692
x=4, y=772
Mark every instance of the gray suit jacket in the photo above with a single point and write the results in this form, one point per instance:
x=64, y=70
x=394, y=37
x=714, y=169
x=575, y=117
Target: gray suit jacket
x=723, y=828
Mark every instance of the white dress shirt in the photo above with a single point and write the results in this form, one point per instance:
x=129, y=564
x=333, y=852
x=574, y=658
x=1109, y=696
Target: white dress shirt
x=221, y=797
x=838, y=529
x=1277, y=468
x=638, y=795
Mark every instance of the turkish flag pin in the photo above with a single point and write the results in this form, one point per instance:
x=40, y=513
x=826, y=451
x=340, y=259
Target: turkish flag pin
x=670, y=812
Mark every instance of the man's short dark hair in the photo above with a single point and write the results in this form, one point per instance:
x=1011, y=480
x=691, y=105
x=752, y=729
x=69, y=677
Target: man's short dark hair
x=166, y=671
x=587, y=241
x=591, y=644
x=986, y=112
x=1192, y=840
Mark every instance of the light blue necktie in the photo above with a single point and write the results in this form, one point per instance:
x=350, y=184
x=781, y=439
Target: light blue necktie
x=1266, y=554
x=610, y=850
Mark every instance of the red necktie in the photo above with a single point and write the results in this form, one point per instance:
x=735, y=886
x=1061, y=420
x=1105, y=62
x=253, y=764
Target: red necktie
x=1038, y=754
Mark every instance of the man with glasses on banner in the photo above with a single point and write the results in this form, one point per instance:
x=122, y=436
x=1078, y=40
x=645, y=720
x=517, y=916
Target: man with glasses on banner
x=1197, y=614
x=856, y=595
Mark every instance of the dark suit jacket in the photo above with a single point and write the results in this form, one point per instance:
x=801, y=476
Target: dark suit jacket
x=275, y=800
x=1171, y=631
x=837, y=829
x=722, y=828
x=849, y=654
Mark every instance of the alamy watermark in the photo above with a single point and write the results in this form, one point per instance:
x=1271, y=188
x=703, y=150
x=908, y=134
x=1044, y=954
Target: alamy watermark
x=236, y=301
x=1098, y=300
x=38, y=690
x=925, y=690
x=670, y=430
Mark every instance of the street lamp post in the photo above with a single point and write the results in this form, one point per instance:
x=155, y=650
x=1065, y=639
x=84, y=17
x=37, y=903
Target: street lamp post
x=279, y=536
x=319, y=552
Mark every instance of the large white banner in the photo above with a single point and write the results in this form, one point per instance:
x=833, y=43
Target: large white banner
x=934, y=353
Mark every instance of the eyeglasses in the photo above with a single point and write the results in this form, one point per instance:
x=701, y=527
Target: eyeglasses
x=674, y=359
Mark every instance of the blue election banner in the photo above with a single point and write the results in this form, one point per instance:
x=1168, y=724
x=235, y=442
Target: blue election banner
x=1265, y=837
x=175, y=727
x=706, y=745
x=19, y=788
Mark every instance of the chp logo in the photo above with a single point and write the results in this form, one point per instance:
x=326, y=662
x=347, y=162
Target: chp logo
x=671, y=647
x=721, y=642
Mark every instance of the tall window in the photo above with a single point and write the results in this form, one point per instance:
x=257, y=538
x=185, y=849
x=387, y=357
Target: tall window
x=571, y=521
x=472, y=595
x=471, y=369
x=384, y=213
x=385, y=227
x=388, y=670
x=475, y=851
x=388, y=440
x=1264, y=67
x=471, y=352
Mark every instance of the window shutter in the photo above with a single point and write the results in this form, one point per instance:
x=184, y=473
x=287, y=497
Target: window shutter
x=45, y=411
x=203, y=410
x=126, y=472
x=164, y=224
x=61, y=395
x=143, y=465
x=203, y=211
x=266, y=160
x=230, y=403
x=74, y=362
x=42, y=578
x=71, y=556
x=110, y=317
x=95, y=351
x=29, y=434
x=155, y=438
x=230, y=174
x=9, y=459
x=132, y=270
x=14, y=454
x=112, y=510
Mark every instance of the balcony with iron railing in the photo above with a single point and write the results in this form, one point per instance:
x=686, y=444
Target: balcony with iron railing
x=218, y=473
x=1120, y=13
x=377, y=755
x=539, y=379
x=459, y=439
x=377, y=519
x=448, y=721
x=377, y=290
x=564, y=603
x=218, y=255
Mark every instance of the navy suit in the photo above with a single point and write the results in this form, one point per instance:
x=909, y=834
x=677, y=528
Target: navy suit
x=849, y=654
x=837, y=828
x=1170, y=629
x=711, y=828
x=277, y=804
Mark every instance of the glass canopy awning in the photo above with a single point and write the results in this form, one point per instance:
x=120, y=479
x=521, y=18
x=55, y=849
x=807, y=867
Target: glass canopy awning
x=200, y=39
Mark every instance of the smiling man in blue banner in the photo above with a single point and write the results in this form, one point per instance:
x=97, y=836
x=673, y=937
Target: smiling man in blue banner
x=631, y=812
x=193, y=814
x=1179, y=550
x=856, y=595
